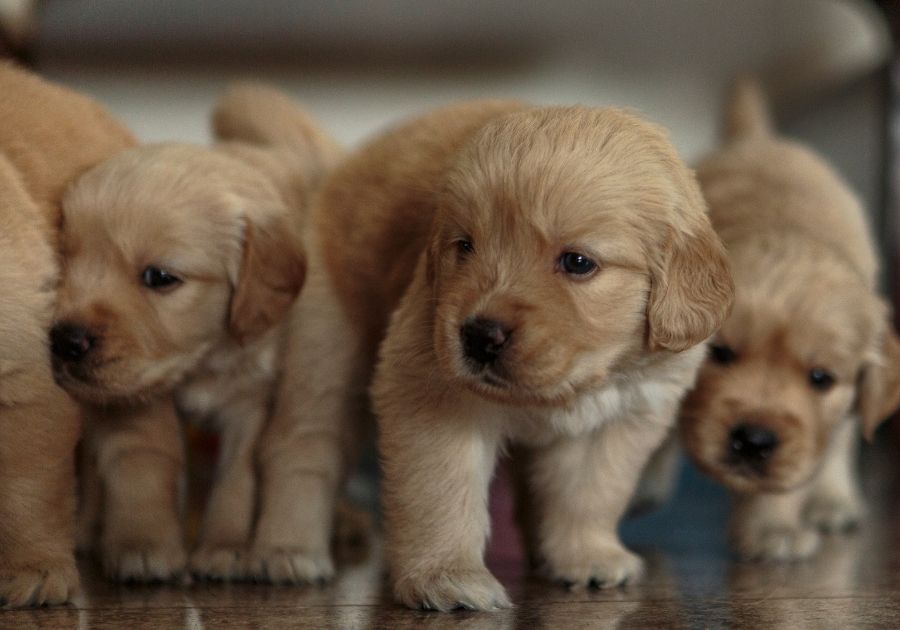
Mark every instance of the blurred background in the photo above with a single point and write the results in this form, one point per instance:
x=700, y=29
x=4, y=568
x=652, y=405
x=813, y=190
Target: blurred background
x=359, y=65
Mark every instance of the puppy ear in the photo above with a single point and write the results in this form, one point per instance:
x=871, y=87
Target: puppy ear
x=273, y=268
x=879, y=386
x=691, y=289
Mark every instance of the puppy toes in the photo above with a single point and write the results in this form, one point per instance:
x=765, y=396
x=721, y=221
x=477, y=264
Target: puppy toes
x=144, y=563
x=833, y=514
x=218, y=563
x=447, y=590
x=608, y=567
x=778, y=542
x=38, y=584
x=283, y=565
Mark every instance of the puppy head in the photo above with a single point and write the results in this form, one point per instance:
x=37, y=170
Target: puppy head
x=805, y=342
x=569, y=243
x=169, y=251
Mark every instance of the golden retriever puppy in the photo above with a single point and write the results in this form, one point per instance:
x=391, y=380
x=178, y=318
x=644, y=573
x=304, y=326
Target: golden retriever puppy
x=807, y=351
x=540, y=277
x=49, y=135
x=181, y=262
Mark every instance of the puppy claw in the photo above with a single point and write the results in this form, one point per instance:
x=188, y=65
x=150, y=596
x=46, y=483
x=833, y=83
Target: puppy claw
x=782, y=543
x=218, y=563
x=601, y=569
x=475, y=590
x=290, y=566
x=39, y=584
x=833, y=514
x=144, y=564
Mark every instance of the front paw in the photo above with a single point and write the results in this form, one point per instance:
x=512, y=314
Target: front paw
x=776, y=541
x=39, y=583
x=290, y=565
x=833, y=514
x=143, y=562
x=452, y=589
x=606, y=567
x=218, y=562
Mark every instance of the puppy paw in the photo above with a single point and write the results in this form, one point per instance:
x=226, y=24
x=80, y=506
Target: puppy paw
x=470, y=589
x=608, y=567
x=218, y=562
x=38, y=584
x=833, y=514
x=286, y=565
x=144, y=563
x=780, y=542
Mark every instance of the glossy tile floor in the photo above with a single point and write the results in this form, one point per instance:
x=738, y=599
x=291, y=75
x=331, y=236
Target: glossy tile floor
x=691, y=583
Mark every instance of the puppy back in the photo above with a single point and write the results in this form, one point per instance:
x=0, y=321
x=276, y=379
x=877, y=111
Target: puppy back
x=747, y=111
x=51, y=134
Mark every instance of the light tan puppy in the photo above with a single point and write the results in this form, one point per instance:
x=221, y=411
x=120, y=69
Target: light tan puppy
x=49, y=135
x=547, y=274
x=181, y=262
x=807, y=351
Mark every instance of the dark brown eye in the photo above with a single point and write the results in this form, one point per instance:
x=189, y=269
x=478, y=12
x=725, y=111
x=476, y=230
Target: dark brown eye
x=722, y=354
x=159, y=279
x=464, y=247
x=576, y=264
x=821, y=379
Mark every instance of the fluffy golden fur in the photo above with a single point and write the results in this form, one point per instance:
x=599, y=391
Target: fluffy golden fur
x=805, y=274
x=225, y=222
x=48, y=137
x=466, y=212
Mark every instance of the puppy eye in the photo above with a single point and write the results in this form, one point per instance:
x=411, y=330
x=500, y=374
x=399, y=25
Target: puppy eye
x=464, y=247
x=158, y=279
x=821, y=379
x=576, y=264
x=722, y=354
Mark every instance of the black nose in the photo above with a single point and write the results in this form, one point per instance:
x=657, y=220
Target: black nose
x=483, y=339
x=70, y=342
x=752, y=443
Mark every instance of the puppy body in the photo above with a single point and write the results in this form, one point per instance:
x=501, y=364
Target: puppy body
x=225, y=221
x=598, y=365
x=49, y=136
x=807, y=351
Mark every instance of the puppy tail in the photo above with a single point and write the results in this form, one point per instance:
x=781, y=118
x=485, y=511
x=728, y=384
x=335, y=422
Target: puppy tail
x=258, y=114
x=747, y=111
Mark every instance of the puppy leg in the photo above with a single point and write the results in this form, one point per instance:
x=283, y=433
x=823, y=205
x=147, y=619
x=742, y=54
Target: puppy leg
x=834, y=504
x=437, y=467
x=37, y=492
x=584, y=485
x=769, y=526
x=140, y=460
x=302, y=454
x=228, y=518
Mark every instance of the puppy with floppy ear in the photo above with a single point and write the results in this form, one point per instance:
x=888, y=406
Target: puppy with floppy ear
x=808, y=350
x=540, y=277
x=48, y=137
x=181, y=264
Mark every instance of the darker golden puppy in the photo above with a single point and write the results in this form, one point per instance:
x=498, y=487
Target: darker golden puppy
x=180, y=263
x=48, y=137
x=540, y=277
x=807, y=350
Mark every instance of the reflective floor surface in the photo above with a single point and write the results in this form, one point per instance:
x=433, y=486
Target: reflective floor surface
x=691, y=583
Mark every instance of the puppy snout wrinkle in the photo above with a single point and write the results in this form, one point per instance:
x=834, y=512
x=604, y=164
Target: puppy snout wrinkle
x=70, y=342
x=752, y=443
x=483, y=339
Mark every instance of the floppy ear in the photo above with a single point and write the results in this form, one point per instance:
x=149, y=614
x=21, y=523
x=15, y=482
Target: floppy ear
x=879, y=386
x=273, y=268
x=691, y=289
